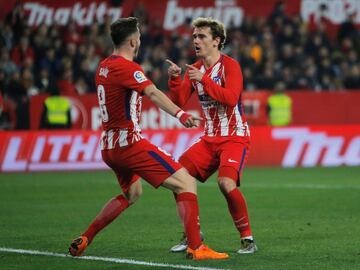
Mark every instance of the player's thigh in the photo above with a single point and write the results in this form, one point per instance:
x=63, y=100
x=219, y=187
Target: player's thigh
x=180, y=181
x=128, y=179
x=200, y=160
x=152, y=163
x=233, y=155
x=125, y=177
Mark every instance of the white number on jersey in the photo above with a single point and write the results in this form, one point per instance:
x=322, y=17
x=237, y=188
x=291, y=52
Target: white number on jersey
x=101, y=97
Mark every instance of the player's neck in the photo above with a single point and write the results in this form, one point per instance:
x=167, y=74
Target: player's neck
x=127, y=54
x=211, y=59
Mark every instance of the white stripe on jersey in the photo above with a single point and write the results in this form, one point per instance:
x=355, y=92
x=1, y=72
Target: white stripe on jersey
x=102, y=143
x=133, y=111
x=239, y=123
x=209, y=124
x=110, y=138
x=215, y=71
x=198, y=85
x=223, y=120
x=123, y=137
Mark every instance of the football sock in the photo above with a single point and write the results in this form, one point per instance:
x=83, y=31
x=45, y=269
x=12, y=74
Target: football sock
x=238, y=210
x=111, y=210
x=188, y=210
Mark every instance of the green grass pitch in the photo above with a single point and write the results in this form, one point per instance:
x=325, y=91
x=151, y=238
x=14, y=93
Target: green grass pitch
x=301, y=219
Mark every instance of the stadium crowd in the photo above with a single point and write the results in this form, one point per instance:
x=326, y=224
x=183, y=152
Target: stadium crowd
x=273, y=51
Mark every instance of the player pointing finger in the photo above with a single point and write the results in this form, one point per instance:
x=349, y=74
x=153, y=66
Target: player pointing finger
x=194, y=73
x=174, y=70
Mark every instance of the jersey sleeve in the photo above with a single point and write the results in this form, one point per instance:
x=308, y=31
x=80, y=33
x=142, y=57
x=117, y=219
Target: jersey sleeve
x=133, y=78
x=180, y=90
x=230, y=93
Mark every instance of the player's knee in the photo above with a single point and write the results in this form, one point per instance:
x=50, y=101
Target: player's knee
x=226, y=184
x=135, y=196
x=187, y=183
x=180, y=182
x=134, y=193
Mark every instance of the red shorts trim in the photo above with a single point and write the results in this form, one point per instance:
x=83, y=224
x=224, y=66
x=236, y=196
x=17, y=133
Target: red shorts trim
x=141, y=159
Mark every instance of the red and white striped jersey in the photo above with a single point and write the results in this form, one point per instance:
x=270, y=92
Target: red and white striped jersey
x=219, y=93
x=120, y=84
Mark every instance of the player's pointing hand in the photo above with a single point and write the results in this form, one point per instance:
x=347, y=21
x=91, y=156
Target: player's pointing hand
x=194, y=73
x=174, y=70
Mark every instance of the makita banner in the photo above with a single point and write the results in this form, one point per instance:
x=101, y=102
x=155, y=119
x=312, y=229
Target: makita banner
x=174, y=13
x=306, y=146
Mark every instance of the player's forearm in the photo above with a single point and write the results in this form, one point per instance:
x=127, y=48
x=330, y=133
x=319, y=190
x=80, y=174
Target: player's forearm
x=162, y=101
x=228, y=96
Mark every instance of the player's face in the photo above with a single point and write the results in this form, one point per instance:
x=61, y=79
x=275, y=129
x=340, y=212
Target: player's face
x=204, y=42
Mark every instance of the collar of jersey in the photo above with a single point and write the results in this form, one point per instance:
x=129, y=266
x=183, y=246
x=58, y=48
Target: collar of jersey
x=221, y=58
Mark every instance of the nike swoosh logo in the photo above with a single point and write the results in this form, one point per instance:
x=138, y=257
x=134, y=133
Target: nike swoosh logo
x=233, y=161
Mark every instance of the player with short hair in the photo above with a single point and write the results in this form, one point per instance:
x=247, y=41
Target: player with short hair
x=120, y=85
x=217, y=80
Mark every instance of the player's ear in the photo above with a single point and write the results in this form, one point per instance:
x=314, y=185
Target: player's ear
x=217, y=42
x=132, y=42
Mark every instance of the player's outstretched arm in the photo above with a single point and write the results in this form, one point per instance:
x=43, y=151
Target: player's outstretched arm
x=164, y=103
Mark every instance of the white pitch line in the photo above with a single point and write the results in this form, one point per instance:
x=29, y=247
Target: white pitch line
x=104, y=259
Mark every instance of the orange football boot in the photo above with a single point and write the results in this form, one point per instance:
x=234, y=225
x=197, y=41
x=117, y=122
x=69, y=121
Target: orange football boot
x=78, y=246
x=204, y=253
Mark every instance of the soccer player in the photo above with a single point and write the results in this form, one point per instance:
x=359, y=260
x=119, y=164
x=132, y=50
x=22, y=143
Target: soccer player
x=120, y=85
x=217, y=81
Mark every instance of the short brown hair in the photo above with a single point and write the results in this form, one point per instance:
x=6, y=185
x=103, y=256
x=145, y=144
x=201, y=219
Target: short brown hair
x=122, y=28
x=217, y=28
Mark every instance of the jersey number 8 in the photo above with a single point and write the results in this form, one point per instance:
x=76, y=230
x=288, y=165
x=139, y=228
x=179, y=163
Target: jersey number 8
x=101, y=97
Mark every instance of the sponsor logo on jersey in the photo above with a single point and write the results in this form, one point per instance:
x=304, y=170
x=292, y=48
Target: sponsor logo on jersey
x=232, y=161
x=139, y=76
x=104, y=72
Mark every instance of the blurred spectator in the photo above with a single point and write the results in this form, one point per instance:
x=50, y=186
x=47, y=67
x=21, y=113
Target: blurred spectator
x=56, y=112
x=23, y=52
x=279, y=106
x=352, y=79
x=28, y=83
x=44, y=82
x=65, y=84
x=6, y=64
x=7, y=114
x=348, y=28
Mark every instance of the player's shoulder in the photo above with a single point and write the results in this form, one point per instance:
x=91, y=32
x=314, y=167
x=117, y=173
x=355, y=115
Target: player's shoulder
x=230, y=61
x=118, y=62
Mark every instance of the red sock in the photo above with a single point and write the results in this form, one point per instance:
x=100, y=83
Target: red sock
x=238, y=210
x=188, y=210
x=110, y=211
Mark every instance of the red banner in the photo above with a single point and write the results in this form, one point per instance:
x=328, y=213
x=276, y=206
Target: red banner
x=173, y=14
x=305, y=146
x=308, y=108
